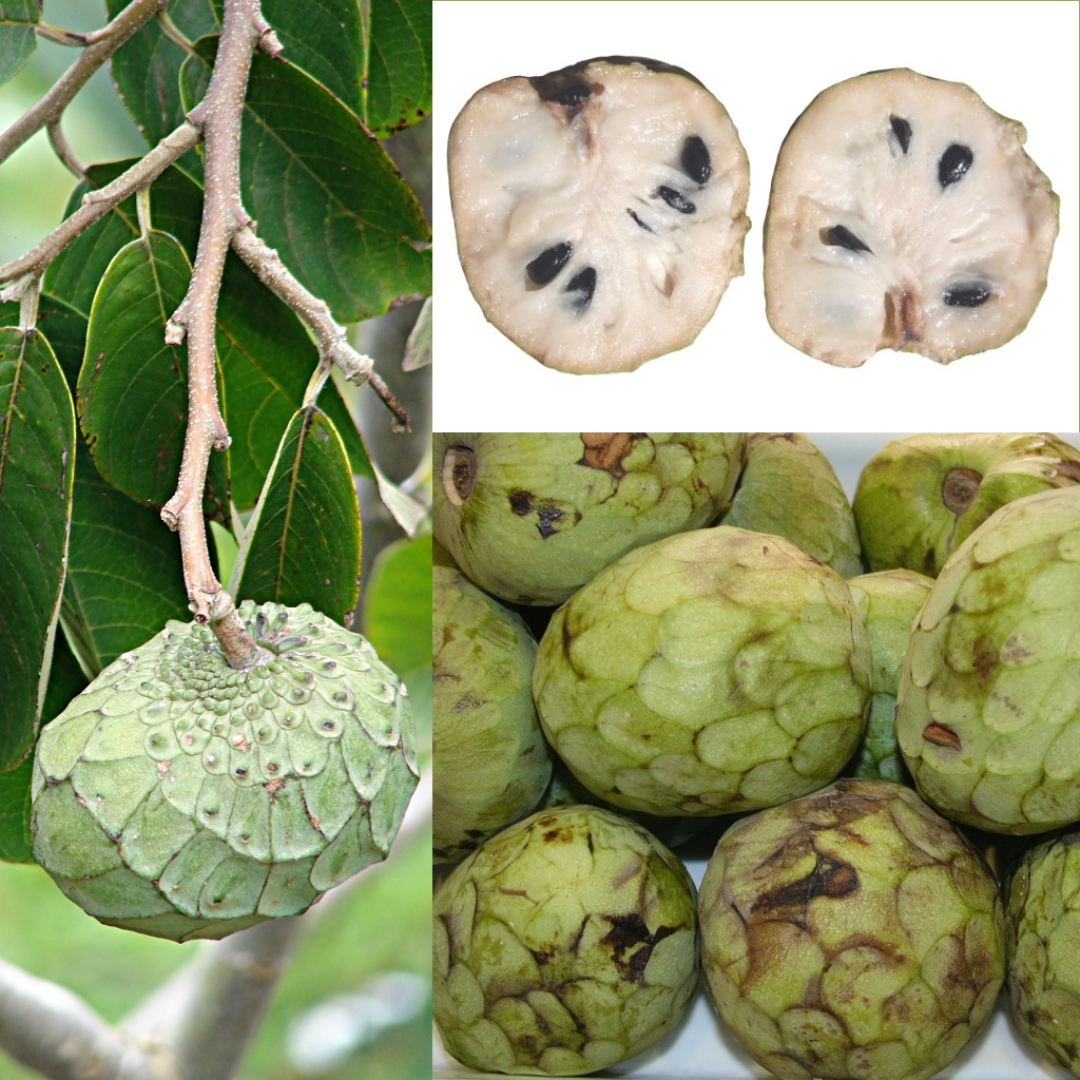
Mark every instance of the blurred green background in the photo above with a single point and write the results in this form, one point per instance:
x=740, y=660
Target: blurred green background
x=355, y=998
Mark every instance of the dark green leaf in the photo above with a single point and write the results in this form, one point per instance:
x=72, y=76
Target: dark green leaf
x=37, y=449
x=399, y=65
x=323, y=191
x=17, y=37
x=175, y=208
x=397, y=604
x=146, y=70
x=64, y=327
x=125, y=578
x=133, y=387
x=303, y=541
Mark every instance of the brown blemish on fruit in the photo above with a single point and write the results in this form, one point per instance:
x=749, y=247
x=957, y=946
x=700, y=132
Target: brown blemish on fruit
x=458, y=473
x=559, y=836
x=828, y=878
x=628, y=931
x=940, y=735
x=550, y=516
x=960, y=489
x=607, y=451
x=521, y=503
x=901, y=319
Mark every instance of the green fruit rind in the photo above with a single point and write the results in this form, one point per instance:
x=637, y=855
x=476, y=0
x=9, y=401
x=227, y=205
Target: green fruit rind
x=788, y=488
x=851, y=933
x=988, y=710
x=888, y=603
x=183, y=799
x=565, y=944
x=1042, y=940
x=919, y=498
x=493, y=761
x=715, y=671
x=532, y=517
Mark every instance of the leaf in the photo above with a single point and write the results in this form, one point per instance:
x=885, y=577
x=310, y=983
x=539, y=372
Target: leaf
x=133, y=387
x=175, y=208
x=399, y=65
x=37, y=433
x=146, y=71
x=396, y=616
x=323, y=191
x=303, y=541
x=18, y=39
x=406, y=511
x=125, y=577
x=64, y=327
x=418, y=347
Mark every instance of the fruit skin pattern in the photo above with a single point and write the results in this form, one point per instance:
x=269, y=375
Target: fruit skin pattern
x=851, y=933
x=715, y=671
x=180, y=798
x=565, y=944
x=1042, y=940
x=532, y=517
x=988, y=710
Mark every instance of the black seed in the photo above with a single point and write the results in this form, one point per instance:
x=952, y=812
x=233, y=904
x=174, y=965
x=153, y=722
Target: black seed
x=548, y=263
x=574, y=94
x=675, y=200
x=582, y=284
x=902, y=130
x=967, y=295
x=838, y=236
x=695, y=159
x=953, y=164
x=638, y=220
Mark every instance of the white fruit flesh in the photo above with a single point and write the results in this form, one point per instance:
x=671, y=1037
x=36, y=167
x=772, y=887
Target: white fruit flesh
x=529, y=175
x=980, y=235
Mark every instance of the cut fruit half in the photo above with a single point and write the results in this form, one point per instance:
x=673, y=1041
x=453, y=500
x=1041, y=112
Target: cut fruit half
x=599, y=209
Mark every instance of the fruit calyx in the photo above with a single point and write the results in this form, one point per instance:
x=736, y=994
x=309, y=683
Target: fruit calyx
x=458, y=473
x=960, y=489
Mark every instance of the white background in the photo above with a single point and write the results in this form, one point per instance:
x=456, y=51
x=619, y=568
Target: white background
x=766, y=61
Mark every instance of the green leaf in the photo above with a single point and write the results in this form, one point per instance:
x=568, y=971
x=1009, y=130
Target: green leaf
x=303, y=541
x=37, y=449
x=62, y=325
x=175, y=208
x=17, y=37
x=418, y=347
x=125, y=577
x=323, y=191
x=399, y=65
x=133, y=387
x=396, y=616
x=146, y=71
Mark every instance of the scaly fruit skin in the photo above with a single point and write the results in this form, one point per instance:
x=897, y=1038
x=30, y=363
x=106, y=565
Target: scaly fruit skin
x=851, y=933
x=712, y=672
x=988, y=711
x=888, y=603
x=1042, y=941
x=180, y=798
x=788, y=488
x=919, y=498
x=493, y=762
x=565, y=944
x=532, y=517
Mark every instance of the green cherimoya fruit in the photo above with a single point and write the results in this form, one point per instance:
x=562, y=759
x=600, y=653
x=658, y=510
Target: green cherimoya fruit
x=184, y=799
x=493, y=762
x=532, y=517
x=716, y=671
x=1042, y=943
x=565, y=944
x=919, y=498
x=851, y=934
x=888, y=603
x=788, y=488
x=988, y=711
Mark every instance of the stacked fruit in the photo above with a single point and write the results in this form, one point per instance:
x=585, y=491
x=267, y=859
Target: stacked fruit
x=719, y=651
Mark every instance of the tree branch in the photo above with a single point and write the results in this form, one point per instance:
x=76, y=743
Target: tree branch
x=51, y=107
x=195, y=318
x=64, y=152
x=331, y=339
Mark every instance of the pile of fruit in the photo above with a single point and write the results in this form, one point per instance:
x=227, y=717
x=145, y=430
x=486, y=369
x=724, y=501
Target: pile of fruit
x=869, y=714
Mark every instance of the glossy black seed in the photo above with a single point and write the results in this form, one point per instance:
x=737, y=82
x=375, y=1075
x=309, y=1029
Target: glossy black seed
x=638, y=220
x=675, y=200
x=695, y=159
x=902, y=130
x=971, y=294
x=547, y=264
x=953, y=164
x=838, y=236
x=582, y=286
